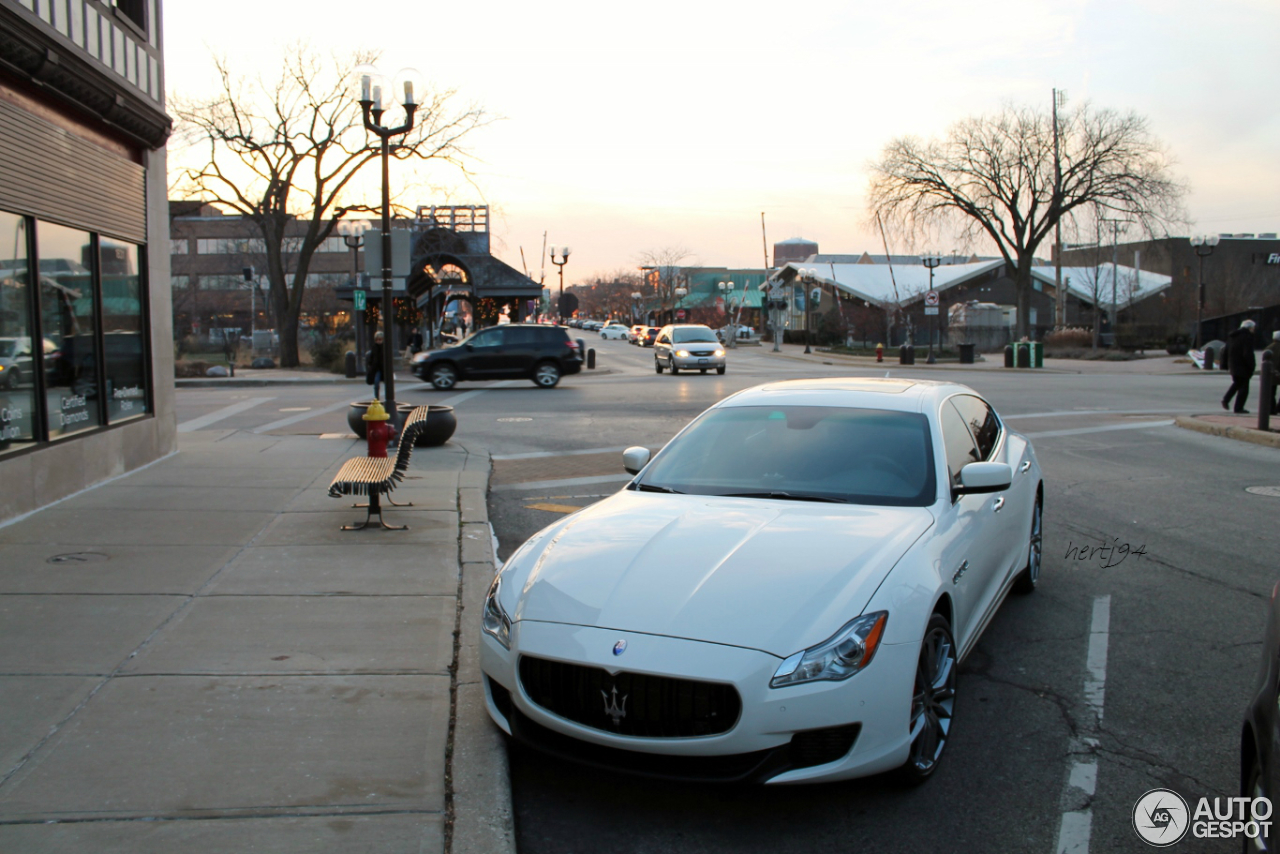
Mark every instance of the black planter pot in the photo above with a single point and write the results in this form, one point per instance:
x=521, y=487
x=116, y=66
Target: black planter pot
x=355, y=418
x=441, y=422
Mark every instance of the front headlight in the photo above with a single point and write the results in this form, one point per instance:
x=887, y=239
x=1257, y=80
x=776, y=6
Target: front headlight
x=683, y=354
x=719, y=353
x=495, y=621
x=839, y=657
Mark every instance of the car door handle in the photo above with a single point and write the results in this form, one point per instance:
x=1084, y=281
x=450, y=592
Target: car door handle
x=1025, y=467
x=997, y=504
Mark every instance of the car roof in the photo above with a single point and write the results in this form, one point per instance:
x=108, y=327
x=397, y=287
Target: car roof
x=894, y=393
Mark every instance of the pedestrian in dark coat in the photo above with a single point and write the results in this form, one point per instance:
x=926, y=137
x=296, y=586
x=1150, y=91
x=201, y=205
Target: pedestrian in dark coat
x=1241, y=363
x=375, y=364
x=1274, y=349
x=415, y=342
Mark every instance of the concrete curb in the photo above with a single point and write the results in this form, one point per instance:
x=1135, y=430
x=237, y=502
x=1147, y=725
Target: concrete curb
x=479, y=776
x=1242, y=434
x=258, y=382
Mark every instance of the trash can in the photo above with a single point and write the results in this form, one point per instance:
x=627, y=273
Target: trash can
x=966, y=354
x=1208, y=358
x=1022, y=352
x=902, y=355
x=1008, y=355
x=1037, y=354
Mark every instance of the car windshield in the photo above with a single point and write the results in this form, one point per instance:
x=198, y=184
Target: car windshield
x=693, y=335
x=7, y=348
x=802, y=453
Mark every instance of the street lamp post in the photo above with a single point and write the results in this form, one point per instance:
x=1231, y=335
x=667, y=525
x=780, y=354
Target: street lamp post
x=352, y=231
x=636, y=296
x=1204, y=248
x=807, y=279
x=727, y=289
x=375, y=98
x=679, y=294
x=564, y=259
x=931, y=261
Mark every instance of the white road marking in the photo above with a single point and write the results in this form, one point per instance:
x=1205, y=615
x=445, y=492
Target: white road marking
x=467, y=395
x=1076, y=828
x=570, y=481
x=538, y=454
x=294, y=419
x=1105, y=428
x=1067, y=412
x=219, y=414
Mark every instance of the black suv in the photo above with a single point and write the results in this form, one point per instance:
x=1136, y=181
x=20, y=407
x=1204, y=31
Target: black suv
x=511, y=351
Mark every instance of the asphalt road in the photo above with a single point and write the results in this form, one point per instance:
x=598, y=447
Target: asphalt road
x=1113, y=678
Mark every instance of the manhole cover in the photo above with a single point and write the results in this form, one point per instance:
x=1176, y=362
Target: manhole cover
x=1273, y=491
x=78, y=557
x=508, y=420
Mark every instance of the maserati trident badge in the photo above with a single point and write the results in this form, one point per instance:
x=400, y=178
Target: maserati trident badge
x=620, y=647
x=611, y=708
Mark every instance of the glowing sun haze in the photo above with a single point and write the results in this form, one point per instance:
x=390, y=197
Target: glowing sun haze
x=626, y=128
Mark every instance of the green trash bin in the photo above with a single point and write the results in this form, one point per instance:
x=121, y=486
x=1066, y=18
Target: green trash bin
x=1037, y=354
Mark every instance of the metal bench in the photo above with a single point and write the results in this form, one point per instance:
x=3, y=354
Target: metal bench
x=378, y=476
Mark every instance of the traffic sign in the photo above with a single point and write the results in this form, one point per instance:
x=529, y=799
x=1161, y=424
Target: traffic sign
x=359, y=296
x=680, y=314
x=931, y=298
x=930, y=309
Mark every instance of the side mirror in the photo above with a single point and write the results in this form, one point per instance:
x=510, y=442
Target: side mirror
x=977, y=478
x=634, y=459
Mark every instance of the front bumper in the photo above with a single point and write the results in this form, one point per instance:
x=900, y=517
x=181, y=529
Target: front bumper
x=695, y=362
x=782, y=735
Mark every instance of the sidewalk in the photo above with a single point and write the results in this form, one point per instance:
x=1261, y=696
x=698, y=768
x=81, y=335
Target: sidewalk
x=1241, y=427
x=195, y=658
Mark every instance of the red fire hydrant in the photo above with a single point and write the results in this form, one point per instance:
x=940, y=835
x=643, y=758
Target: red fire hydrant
x=879, y=352
x=378, y=430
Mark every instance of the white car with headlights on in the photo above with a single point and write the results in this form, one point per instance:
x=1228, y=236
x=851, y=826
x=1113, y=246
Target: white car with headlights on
x=782, y=594
x=688, y=346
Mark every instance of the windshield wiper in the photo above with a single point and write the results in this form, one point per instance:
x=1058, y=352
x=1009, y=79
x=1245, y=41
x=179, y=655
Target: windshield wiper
x=648, y=487
x=787, y=496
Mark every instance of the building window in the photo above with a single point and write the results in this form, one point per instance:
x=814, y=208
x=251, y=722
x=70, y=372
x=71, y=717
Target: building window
x=180, y=282
x=134, y=11
x=178, y=246
x=17, y=349
x=1031, y=316
x=68, y=318
x=124, y=348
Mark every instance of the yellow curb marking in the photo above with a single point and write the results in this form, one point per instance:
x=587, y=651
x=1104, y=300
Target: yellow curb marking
x=554, y=508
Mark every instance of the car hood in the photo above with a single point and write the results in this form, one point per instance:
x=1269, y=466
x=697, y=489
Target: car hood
x=772, y=575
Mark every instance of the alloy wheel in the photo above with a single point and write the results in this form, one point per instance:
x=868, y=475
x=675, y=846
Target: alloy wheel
x=933, y=700
x=546, y=375
x=1030, y=575
x=444, y=377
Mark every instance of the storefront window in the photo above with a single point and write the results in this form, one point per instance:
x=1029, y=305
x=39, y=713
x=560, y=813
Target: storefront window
x=67, y=310
x=17, y=362
x=124, y=350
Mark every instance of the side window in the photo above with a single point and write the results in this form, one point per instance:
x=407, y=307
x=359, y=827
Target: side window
x=982, y=422
x=519, y=336
x=488, y=338
x=961, y=449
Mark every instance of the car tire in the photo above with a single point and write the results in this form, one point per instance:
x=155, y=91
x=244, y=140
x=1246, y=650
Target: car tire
x=546, y=374
x=443, y=376
x=672, y=365
x=14, y=378
x=933, y=701
x=720, y=371
x=657, y=366
x=1030, y=576
x=703, y=371
x=1255, y=788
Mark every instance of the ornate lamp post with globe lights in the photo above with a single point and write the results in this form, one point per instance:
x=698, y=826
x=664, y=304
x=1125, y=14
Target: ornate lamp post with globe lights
x=1204, y=248
x=564, y=259
x=726, y=288
x=679, y=294
x=375, y=98
x=352, y=231
x=931, y=260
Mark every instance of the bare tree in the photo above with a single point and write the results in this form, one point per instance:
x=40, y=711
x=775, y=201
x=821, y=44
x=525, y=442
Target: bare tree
x=664, y=274
x=993, y=177
x=288, y=150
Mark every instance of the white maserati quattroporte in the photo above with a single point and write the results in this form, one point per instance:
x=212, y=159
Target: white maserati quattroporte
x=782, y=594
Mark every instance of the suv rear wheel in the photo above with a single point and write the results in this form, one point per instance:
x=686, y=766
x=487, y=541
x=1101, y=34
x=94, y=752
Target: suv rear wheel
x=546, y=375
x=443, y=376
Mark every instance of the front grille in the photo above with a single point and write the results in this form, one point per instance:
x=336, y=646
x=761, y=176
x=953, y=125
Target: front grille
x=634, y=704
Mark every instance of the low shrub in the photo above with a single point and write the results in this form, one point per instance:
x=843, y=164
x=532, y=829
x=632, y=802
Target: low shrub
x=329, y=355
x=195, y=368
x=1066, y=339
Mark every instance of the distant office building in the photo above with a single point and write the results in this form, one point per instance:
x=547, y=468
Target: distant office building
x=86, y=356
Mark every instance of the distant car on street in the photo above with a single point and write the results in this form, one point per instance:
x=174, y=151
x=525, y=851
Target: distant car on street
x=613, y=331
x=636, y=332
x=783, y=594
x=688, y=347
x=531, y=351
x=647, y=336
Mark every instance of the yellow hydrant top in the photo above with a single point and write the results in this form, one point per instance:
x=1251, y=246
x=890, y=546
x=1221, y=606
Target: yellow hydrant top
x=375, y=412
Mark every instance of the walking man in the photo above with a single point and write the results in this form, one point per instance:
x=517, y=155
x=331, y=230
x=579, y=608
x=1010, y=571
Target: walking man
x=1241, y=363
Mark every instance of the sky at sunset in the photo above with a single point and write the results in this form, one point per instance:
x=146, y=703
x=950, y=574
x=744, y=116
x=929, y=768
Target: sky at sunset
x=625, y=128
